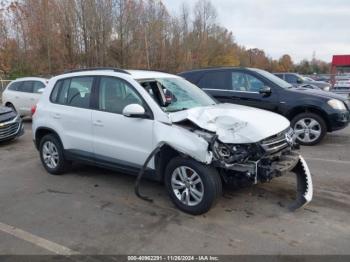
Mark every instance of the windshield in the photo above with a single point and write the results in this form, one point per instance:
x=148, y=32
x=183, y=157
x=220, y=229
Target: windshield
x=180, y=93
x=275, y=79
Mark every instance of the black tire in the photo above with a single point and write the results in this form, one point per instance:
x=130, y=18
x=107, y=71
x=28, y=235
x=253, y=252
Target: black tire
x=318, y=119
x=211, y=182
x=62, y=163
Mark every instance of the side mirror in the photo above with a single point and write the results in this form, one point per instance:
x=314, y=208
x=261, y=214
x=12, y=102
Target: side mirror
x=40, y=91
x=300, y=81
x=134, y=110
x=265, y=91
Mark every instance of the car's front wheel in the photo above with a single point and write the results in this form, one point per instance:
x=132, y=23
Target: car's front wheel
x=192, y=186
x=51, y=155
x=309, y=128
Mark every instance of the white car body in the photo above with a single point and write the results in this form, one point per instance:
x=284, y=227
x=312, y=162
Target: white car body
x=128, y=141
x=22, y=100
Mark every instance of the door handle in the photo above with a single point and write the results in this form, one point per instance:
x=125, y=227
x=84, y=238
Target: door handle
x=98, y=123
x=16, y=97
x=32, y=99
x=56, y=116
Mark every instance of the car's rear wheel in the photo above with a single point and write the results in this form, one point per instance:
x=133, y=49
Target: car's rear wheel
x=51, y=155
x=10, y=105
x=192, y=186
x=309, y=128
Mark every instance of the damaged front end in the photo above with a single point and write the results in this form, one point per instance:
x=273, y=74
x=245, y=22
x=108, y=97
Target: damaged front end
x=262, y=161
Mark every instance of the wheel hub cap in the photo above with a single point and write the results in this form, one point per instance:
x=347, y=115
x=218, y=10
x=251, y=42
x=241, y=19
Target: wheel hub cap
x=307, y=130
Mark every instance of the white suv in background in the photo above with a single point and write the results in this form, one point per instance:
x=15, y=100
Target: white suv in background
x=23, y=93
x=167, y=128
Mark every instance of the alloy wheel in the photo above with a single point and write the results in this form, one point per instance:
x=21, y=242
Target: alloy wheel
x=50, y=154
x=187, y=185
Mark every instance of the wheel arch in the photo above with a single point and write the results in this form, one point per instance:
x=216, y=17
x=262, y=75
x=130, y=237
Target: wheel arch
x=162, y=158
x=310, y=109
x=43, y=131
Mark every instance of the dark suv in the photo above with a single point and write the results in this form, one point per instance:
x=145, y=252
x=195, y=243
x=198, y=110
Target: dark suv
x=297, y=80
x=312, y=113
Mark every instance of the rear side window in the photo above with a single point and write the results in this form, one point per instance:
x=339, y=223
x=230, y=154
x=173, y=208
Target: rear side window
x=74, y=91
x=37, y=86
x=14, y=86
x=26, y=87
x=215, y=80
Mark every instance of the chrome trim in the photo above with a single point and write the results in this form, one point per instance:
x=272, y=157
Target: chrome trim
x=277, y=142
x=16, y=120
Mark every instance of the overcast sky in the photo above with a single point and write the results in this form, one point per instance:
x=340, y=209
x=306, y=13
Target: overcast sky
x=295, y=27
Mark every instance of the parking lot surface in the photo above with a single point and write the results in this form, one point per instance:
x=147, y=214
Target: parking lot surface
x=94, y=211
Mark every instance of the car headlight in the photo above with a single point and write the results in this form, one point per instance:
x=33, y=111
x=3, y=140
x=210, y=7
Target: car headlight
x=327, y=88
x=336, y=104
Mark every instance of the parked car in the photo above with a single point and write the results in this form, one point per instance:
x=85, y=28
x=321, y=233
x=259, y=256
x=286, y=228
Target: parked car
x=312, y=113
x=10, y=124
x=343, y=91
x=297, y=80
x=135, y=121
x=23, y=93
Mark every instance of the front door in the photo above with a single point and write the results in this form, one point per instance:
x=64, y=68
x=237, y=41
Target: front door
x=246, y=91
x=120, y=140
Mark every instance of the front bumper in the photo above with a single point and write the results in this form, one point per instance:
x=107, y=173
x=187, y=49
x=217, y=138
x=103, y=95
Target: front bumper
x=266, y=168
x=339, y=120
x=11, y=129
x=274, y=166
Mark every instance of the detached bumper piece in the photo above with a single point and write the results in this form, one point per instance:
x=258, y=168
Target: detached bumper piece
x=304, y=185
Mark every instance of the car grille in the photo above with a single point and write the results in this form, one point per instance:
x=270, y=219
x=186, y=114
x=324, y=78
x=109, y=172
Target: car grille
x=9, y=130
x=276, y=143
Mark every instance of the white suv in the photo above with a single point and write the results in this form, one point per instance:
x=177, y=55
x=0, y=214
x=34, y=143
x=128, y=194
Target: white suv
x=23, y=93
x=129, y=120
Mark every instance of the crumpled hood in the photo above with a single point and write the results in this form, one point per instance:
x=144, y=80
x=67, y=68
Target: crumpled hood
x=234, y=123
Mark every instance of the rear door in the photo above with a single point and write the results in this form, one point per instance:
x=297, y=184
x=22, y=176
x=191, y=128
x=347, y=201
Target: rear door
x=217, y=83
x=23, y=97
x=70, y=113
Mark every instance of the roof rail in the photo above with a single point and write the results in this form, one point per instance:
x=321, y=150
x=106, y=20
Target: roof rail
x=96, y=69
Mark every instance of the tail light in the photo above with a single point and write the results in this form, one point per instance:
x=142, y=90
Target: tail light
x=33, y=109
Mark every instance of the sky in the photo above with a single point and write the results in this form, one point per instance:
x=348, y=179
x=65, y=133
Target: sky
x=296, y=27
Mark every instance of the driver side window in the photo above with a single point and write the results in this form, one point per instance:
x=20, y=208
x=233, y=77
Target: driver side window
x=243, y=82
x=115, y=94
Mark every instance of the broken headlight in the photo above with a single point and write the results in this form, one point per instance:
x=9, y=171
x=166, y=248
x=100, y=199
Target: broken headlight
x=236, y=153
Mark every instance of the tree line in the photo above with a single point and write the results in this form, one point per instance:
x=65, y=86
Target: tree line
x=46, y=37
